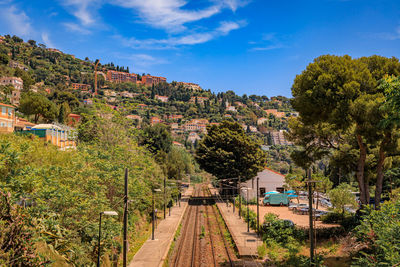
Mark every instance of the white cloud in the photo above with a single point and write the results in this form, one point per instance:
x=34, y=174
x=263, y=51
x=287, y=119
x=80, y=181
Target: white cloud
x=46, y=40
x=73, y=27
x=170, y=15
x=17, y=20
x=269, y=41
x=391, y=36
x=189, y=39
x=268, y=47
x=83, y=10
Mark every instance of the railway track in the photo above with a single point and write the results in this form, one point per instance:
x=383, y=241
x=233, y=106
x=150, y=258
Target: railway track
x=205, y=248
x=221, y=233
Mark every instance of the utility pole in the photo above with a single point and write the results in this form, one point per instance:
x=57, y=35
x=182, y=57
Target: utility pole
x=258, y=206
x=240, y=198
x=125, y=245
x=310, y=212
x=165, y=194
x=95, y=76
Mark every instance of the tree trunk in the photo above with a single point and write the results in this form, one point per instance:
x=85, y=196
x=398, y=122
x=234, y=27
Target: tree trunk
x=364, y=194
x=379, y=170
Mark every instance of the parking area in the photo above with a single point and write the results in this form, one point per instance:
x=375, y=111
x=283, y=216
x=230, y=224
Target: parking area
x=286, y=214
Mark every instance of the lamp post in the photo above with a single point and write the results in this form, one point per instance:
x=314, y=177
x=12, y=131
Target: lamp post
x=153, y=212
x=107, y=213
x=247, y=204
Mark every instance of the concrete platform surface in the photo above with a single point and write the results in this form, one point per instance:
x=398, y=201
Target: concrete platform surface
x=154, y=252
x=246, y=242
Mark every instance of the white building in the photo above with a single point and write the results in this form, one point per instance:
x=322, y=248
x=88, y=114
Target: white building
x=269, y=181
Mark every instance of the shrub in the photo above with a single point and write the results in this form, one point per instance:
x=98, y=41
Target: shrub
x=379, y=231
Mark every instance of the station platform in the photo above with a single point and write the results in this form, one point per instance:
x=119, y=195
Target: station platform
x=246, y=242
x=153, y=253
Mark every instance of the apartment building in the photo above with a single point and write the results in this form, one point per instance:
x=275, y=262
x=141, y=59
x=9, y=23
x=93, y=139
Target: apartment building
x=278, y=138
x=17, y=83
x=14, y=64
x=81, y=86
x=7, y=118
x=149, y=80
x=120, y=77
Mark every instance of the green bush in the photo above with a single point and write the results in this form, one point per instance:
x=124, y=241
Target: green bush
x=379, y=231
x=283, y=232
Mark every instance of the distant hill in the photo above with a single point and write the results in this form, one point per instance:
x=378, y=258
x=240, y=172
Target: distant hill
x=67, y=80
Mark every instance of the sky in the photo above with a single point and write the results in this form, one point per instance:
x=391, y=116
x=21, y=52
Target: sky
x=248, y=46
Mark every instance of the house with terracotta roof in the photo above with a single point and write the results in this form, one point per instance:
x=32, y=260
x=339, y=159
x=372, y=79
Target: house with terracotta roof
x=73, y=119
x=155, y=120
x=22, y=124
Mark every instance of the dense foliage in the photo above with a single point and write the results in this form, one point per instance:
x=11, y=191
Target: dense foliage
x=380, y=233
x=63, y=192
x=227, y=152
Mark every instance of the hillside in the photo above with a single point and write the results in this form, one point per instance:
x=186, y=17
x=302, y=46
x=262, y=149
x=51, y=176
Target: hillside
x=69, y=83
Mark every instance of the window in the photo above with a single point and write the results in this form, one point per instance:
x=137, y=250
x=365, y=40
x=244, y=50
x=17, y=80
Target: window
x=4, y=110
x=9, y=125
x=1, y=124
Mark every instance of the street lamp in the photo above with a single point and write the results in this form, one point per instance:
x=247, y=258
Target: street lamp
x=107, y=213
x=153, y=213
x=247, y=204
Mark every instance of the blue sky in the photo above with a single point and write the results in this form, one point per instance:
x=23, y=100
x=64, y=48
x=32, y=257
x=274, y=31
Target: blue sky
x=249, y=46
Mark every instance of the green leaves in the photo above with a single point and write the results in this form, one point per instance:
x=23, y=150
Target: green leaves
x=380, y=232
x=227, y=152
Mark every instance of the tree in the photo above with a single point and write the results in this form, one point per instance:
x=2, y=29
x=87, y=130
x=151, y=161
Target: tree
x=61, y=114
x=323, y=184
x=295, y=182
x=341, y=196
x=379, y=232
x=39, y=106
x=337, y=97
x=227, y=152
x=157, y=138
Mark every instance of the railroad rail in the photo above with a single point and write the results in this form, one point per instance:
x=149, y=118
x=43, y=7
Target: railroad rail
x=191, y=250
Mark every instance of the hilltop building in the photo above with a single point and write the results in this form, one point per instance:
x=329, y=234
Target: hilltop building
x=81, y=86
x=18, y=85
x=14, y=64
x=120, y=77
x=149, y=80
